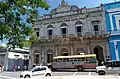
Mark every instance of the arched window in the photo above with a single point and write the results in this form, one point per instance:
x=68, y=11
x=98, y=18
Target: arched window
x=63, y=24
x=50, y=31
x=49, y=26
x=96, y=27
x=79, y=28
x=63, y=29
x=80, y=50
x=78, y=23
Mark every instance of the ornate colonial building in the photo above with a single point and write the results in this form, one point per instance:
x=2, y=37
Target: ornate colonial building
x=70, y=30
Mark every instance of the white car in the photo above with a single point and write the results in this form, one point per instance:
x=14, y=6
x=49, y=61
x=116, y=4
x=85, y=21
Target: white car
x=110, y=67
x=36, y=71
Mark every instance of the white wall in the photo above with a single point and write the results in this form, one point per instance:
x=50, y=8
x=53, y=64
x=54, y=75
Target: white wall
x=11, y=55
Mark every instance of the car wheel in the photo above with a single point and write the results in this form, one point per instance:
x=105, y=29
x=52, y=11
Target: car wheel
x=101, y=73
x=27, y=76
x=119, y=74
x=48, y=74
x=80, y=68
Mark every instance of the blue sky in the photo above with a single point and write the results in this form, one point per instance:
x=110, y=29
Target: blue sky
x=79, y=3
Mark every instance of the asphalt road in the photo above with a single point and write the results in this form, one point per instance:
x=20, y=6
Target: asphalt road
x=15, y=75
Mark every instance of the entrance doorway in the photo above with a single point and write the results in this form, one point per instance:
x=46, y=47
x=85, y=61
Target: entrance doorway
x=36, y=59
x=99, y=54
x=49, y=58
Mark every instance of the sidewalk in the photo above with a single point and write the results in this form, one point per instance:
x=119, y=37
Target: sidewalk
x=81, y=77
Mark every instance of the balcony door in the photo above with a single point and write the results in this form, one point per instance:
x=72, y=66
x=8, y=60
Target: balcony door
x=50, y=33
x=63, y=32
x=96, y=29
x=79, y=30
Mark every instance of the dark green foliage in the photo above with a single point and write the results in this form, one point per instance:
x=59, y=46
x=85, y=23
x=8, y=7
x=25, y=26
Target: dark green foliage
x=17, y=18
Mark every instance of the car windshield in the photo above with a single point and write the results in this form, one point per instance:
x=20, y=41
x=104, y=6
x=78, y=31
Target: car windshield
x=31, y=69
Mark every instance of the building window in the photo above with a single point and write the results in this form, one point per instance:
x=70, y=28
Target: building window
x=50, y=32
x=63, y=31
x=96, y=29
x=79, y=27
x=37, y=33
x=119, y=23
x=79, y=30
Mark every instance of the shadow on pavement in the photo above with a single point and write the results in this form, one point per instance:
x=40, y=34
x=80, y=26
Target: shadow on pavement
x=73, y=70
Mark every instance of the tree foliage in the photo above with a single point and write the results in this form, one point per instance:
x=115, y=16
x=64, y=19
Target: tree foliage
x=16, y=19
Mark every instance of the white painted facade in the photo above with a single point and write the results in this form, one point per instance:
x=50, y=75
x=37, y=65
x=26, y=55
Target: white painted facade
x=93, y=34
x=7, y=57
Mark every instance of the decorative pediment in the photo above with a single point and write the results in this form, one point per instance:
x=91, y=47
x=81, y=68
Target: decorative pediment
x=64, y=7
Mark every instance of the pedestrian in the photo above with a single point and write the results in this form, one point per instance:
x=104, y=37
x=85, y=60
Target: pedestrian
x=18, y=68
x=14, y=68
x=0, y=68
x=25, y=67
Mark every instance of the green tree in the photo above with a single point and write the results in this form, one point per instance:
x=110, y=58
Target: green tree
x=17, y=18
x=1, y=47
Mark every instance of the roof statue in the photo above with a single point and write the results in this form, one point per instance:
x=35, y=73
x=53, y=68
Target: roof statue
x=63, y=2
x=64, y=7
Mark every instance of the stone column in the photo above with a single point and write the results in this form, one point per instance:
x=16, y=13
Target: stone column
x=43, y=58
x=105, y=50
x=31, y=59
x=71, y=49
x=88, y=48
x=40, y=55
x=56, y=50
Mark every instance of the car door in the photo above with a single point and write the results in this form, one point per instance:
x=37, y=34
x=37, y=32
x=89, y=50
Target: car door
x=112, y=69
x=36, y=72
x=42, y=70
x=117, y=67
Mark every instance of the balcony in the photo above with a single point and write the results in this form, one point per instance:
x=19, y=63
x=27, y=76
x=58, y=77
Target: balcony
x=50, y=36
x=96, y=33
x=77, y=36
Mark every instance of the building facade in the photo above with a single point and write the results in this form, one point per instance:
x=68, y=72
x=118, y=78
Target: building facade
x=14, y=57
x=113, y=24
x=70, y=30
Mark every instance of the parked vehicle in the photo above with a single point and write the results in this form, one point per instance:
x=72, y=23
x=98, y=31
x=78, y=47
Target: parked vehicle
x=109, y=67
x=79, y=62
x=36, y=71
